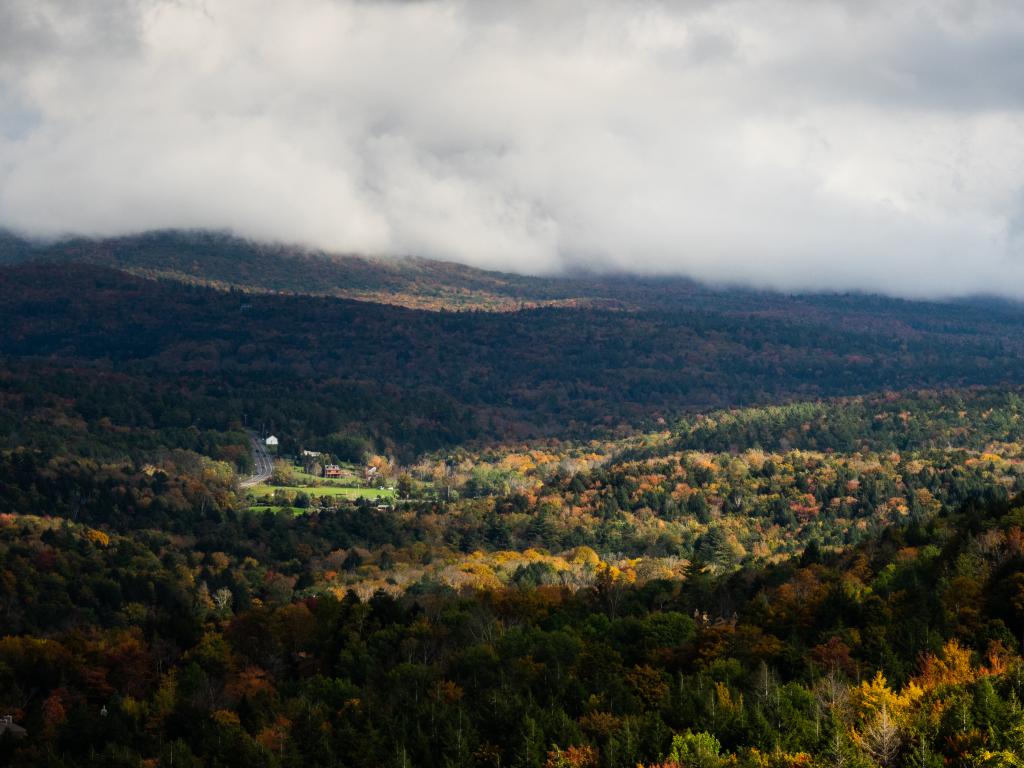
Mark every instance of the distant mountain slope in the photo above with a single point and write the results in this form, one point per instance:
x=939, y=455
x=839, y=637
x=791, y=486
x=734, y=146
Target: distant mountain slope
x=223, y=261
x=422, y=379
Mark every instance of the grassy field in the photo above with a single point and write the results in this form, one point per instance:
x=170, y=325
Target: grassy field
x=324, y=490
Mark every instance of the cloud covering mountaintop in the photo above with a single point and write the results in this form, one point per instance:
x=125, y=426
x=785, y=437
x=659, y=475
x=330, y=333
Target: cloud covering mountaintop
x=838, y=145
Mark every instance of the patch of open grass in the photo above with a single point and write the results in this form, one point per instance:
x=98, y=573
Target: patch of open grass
x=324, y=490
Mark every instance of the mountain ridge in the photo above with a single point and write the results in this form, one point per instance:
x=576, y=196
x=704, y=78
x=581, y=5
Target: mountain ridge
x=424, y=379
x=225, y=261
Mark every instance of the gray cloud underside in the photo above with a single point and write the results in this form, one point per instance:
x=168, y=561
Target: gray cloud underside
x=843, y=145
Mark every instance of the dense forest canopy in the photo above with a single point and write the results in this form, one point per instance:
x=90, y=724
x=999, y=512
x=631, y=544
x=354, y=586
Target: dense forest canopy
x=627, y=523
x=414, y=380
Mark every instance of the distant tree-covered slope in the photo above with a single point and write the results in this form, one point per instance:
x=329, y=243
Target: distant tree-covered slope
x=417, y=380
x=224, y=261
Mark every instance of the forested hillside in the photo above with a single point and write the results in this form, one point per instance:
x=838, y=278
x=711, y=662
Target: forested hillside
x=670, y=527
x=413, y=380
x=725, y=471
x=224, y=261
x=901, y=650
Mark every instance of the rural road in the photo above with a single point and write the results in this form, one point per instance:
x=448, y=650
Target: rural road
x=261, y=459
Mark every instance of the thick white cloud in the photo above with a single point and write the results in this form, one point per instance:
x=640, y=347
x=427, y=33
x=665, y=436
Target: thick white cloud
x=859, y=144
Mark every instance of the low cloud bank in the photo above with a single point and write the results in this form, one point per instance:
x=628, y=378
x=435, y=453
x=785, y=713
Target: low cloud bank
x=836, y=145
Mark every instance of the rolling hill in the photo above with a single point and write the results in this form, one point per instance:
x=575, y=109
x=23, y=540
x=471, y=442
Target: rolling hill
x=413, y=380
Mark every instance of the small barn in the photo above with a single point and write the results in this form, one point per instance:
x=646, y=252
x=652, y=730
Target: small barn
x=271, y=442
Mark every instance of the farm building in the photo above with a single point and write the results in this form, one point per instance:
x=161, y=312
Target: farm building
x=271, y=441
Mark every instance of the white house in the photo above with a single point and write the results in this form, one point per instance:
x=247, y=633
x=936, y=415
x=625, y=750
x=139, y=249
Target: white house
x=272, y=441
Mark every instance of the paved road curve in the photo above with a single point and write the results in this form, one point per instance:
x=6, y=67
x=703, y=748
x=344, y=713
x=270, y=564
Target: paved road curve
x=261, y=459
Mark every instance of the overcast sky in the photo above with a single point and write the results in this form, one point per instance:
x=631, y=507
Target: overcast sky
x=787, y=143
